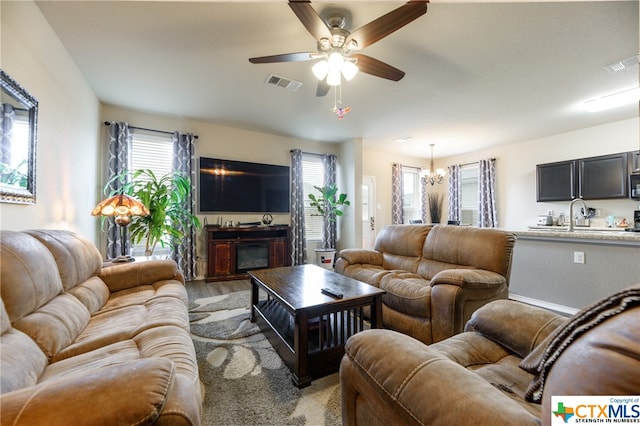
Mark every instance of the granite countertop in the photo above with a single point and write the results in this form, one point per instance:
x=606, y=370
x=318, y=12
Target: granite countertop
x=580, y=233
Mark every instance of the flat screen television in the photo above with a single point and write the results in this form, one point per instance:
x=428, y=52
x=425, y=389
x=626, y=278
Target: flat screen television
x=243, y=187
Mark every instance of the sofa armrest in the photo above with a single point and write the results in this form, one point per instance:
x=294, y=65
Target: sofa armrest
x=133, y=392
x=527, y=325
x=390, y=378
x=123, y=276
x=469, y=278
x=361, y=256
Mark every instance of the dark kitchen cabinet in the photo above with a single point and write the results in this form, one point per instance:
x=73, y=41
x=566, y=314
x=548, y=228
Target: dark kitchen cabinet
x=603, y=177
x=593, y=178
x=556, y=181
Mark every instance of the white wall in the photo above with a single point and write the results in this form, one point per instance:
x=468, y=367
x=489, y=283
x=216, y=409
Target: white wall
x=236, y=144
x=68, y=125
x=516, y=172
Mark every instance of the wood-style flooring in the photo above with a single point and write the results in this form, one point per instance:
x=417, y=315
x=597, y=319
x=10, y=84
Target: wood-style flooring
x=200, y=288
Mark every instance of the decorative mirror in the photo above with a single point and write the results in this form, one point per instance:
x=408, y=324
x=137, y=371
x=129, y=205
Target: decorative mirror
x=18, y=124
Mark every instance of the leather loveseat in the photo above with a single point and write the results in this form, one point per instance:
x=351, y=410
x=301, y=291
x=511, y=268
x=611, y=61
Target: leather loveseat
x=503, y=370
x=435, y=277
x=85, y=345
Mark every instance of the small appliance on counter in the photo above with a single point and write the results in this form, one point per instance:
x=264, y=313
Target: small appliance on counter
x=545, y=220
x=636, y=222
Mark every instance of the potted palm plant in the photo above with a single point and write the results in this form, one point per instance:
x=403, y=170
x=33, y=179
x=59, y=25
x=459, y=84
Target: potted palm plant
x=165, y=198
x=329, y=204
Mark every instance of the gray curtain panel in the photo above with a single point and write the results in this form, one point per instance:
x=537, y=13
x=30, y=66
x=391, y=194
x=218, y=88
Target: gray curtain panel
x=7, y=115
x=298, y=254
x=424, y=203
x=184, y=162
x=396, y=194
x=455, y=193
x=119, y=147
x=487, y=210
x=329, y=234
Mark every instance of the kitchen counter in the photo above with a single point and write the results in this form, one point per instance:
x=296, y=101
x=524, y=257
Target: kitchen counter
x=588, y=234
x=564, y=270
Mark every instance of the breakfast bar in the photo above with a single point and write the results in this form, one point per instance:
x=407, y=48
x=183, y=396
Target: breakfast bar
x=573, y=269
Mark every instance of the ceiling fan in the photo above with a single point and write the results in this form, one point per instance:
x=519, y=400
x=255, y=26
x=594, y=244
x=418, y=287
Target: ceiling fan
x=336, y=44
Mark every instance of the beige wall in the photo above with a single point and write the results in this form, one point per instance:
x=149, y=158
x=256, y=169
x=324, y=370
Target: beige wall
x=68, y=125
x=516, y=172
x=236, y=144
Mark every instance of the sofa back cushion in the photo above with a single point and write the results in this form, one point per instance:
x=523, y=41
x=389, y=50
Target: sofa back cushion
x=21, y=361
x=77, y=258
x=33, y=295
x=448, y=247
x=401, y=245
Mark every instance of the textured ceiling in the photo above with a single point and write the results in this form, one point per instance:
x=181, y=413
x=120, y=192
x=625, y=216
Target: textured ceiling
x=477, y=74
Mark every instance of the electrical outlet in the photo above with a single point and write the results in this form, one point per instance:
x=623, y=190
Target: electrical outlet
x=578, y=257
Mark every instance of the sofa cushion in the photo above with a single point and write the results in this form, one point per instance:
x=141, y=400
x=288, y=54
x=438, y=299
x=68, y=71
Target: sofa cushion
x=115, y=325
x=29, y=275
x=370, y=274
x=401, y=246
x=481, y=248
x=77, y=258
x=21, y=360
x=407, y=292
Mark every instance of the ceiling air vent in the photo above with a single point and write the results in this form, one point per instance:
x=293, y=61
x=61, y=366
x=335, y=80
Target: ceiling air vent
x=623, y=64
x=285, y=83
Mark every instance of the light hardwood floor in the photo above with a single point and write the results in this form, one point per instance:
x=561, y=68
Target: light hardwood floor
x=200, y=288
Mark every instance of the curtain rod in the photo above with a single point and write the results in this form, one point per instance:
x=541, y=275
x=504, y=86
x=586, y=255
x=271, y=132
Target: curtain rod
x=309, y=153
x=107, y=123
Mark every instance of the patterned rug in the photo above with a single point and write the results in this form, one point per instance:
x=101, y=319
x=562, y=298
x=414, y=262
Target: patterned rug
x=245, y=381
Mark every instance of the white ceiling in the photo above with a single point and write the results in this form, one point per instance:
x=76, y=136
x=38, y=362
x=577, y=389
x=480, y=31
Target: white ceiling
x=478, y=74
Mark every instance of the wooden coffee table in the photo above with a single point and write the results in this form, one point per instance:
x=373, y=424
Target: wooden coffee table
x=308, y=328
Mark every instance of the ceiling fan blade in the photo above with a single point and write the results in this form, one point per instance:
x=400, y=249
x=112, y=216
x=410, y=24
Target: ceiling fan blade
x=386, y=24
x=310, y=19
x=286, y=57
x=373, y=66
x=323, y=88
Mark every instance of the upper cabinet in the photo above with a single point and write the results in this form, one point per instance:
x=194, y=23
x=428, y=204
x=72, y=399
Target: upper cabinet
x=603, y=177
x=594, y=178
x=556, y=181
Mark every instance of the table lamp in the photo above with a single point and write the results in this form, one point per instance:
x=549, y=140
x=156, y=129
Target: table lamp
x=122, y=207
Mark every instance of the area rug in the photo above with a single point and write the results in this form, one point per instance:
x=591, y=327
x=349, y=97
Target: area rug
x=245, y=381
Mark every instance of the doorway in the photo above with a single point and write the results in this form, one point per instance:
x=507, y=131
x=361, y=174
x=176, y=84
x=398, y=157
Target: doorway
x=368, y=211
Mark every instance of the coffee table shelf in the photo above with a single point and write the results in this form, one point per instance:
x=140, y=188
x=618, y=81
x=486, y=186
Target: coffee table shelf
x=307, y=328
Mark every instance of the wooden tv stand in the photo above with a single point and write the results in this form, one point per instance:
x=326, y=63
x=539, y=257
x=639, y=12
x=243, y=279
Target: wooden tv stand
x=223, y=244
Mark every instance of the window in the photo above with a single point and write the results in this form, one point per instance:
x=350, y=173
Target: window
x=411, y=196
x=469, y=198
x=154, y=152
x=312, y=175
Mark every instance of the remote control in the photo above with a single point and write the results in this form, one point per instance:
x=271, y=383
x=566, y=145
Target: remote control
x=331, y=293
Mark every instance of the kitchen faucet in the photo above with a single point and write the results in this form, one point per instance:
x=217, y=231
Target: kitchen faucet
x=571, y=218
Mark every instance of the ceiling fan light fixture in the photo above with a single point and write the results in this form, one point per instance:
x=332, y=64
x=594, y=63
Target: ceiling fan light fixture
x=349, y=70
x=320, y=69
x=333, y=77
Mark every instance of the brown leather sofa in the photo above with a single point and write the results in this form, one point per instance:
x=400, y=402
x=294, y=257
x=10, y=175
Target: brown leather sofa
x=85, y=345
x=435, y=277
x=503, y=370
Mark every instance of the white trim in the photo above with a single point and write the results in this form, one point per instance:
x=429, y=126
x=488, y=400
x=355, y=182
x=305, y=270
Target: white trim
x=561, y=309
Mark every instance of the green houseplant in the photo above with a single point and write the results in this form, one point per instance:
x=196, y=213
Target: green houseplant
x=165, y=198
x=329, y=204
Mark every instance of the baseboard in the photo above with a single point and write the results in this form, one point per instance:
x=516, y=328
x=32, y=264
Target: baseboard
x=560, y=309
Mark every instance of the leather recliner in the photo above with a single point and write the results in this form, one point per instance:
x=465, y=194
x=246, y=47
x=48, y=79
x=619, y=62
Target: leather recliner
x=503, y=370
x=434, y=277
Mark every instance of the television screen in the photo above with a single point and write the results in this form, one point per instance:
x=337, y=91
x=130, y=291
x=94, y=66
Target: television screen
x=242, y=187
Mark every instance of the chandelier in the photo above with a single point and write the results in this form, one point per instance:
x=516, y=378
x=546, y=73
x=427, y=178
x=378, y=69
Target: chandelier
x=431, y=175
